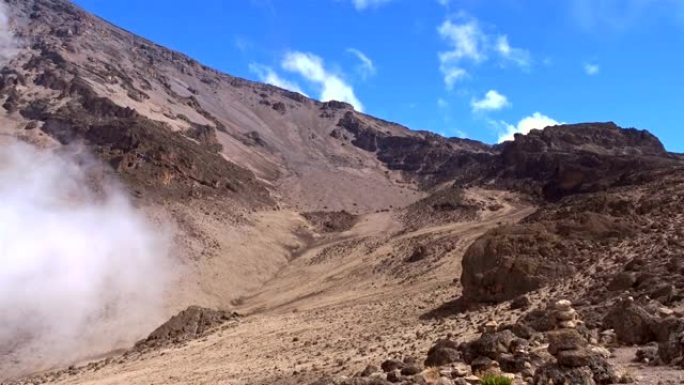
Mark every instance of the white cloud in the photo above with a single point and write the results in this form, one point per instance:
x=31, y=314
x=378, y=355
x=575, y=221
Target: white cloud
x=452, y=75
x=82, y=270
x=364, y=4
x=592, y=69
x=525, y=125
x=441, y=103
x=444, y=3
x=492, y=101
x=268, y=75
x=517, y=56
x=470, y=44
x=8, y=44
x=312, y=68
x=466, y=41
x=367, y=67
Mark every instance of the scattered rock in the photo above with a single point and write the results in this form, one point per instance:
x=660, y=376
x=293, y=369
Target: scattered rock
x=443, y=352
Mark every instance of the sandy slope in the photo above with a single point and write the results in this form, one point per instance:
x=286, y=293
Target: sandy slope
x=345, y=300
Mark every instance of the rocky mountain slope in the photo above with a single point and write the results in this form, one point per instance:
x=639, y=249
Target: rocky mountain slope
x=344, y=239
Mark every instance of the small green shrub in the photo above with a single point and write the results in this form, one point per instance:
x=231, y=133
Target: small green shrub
x=495, y=379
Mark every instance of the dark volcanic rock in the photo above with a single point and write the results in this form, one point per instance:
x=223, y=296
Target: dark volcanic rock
x=632, y=323
x=443, y=352
x=191, y=323
x=490, y=345
x=390, y=365
x=576, y=158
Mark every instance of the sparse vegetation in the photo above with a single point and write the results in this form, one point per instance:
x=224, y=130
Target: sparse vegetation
x=495, y=379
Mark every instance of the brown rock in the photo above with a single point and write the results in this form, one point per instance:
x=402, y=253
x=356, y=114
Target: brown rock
x=565, y=339
x=632, y=323
x=557, y=375
x=574, y=358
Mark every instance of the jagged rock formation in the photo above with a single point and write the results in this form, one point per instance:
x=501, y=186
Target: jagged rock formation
x=191, y=323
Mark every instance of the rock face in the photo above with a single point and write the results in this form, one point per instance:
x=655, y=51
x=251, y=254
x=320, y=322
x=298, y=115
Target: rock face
x=577, y=158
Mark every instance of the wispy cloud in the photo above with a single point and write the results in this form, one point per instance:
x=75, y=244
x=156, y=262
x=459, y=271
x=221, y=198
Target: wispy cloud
x=525, y=125
x=268, y=75
x=469, y=44
x=366, y=68
x=312, y=68
x=592, y=69
x=492, y=101
x=619, y=15
x=242, y=43
x=365, y=4
x=517, y=56
x=8, y=43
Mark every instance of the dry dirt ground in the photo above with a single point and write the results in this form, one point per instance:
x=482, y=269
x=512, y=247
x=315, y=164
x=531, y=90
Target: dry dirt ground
x=342, y=301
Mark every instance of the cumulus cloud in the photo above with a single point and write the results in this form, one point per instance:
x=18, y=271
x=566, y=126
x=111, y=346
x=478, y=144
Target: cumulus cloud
x=81, y=270
x=469, y=44
x=8, y=44
x=492, y=101
x=312, y=68
x=268, y=75
x=592, y=69
x=364, y=4
x=367, y=67
x=525, y=125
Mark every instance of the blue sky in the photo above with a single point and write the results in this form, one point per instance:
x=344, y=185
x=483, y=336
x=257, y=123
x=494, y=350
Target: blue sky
x=477, y=68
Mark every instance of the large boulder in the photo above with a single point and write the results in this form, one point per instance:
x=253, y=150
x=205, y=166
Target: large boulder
x=631, y=322
x=512, y=260
x=507, y=262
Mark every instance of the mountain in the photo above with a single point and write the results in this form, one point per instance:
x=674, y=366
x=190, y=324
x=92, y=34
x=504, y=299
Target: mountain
x=342, y=238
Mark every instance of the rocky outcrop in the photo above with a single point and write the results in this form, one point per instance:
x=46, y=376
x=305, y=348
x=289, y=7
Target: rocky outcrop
x=578, y=158
x=191, y=323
